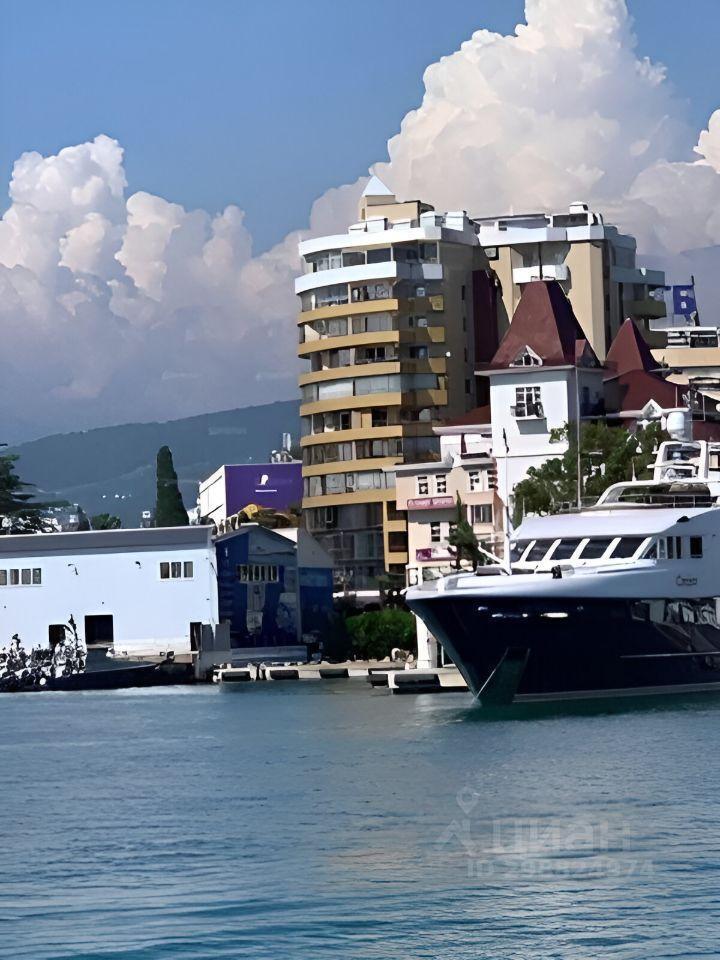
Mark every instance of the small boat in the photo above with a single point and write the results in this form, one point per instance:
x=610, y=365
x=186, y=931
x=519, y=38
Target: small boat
x=66, y=666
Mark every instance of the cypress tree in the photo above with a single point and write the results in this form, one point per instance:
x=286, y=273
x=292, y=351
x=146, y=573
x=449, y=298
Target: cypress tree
x=169, y=508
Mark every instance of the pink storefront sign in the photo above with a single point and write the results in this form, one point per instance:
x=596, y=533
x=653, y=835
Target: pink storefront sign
x=431, y=503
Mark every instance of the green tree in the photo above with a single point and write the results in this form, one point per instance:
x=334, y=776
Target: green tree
x=169, y=508
x=607, y=455
x=105, y=521
x=462, y=538
x=20, y=513
x=374, y=634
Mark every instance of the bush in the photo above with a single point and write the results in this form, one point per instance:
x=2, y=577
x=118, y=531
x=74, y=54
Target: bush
x=374, y=634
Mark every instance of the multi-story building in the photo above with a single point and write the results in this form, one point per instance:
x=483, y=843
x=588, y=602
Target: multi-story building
x=428, y=492
x=396, y=313
x=592, y=261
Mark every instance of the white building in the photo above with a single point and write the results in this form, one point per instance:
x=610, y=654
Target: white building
x=544, y=374
x=146, y=591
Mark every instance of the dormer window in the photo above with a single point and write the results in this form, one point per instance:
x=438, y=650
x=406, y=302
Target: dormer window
x=527, y=358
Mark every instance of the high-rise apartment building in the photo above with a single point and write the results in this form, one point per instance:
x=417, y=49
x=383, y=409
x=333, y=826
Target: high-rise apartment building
x=592, y=261
x=395, y=315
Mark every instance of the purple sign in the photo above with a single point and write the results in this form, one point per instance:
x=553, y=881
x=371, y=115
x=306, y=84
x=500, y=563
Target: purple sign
x=275, y=485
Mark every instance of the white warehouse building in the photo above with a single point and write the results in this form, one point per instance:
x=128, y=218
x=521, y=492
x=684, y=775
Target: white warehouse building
x=147, y=591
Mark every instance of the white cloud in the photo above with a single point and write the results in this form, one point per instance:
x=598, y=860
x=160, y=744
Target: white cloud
x=117, y=307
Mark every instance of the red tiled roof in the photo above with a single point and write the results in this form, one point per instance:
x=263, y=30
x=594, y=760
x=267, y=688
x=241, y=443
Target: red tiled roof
x=545, y=322
x=477, y=417
x=634, y=388
x=629, y=351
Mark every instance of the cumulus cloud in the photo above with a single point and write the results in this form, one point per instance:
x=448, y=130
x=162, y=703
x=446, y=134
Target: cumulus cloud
x=119, y=307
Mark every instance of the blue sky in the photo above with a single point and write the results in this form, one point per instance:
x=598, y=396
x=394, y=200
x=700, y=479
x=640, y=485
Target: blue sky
x=265, y=104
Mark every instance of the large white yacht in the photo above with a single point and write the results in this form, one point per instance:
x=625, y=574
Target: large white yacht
x=619, y=598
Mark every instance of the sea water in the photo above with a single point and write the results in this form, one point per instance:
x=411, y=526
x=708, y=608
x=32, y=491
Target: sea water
x=325, y=819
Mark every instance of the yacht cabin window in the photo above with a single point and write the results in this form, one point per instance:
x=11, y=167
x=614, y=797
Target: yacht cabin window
x=595, y=548
x=627, y=547
x=538, y=550
x=565, y=549
x=696, y=547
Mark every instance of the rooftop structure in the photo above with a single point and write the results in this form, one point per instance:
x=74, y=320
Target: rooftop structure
x=592, y=261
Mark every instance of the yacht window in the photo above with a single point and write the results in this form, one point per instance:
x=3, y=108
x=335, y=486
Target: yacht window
x=696, y=550
x=652, y=552
x=518, y=549
x=538, y=550
x=678, y=548
x=594, y=549
x=627, y=546
x=565, y=549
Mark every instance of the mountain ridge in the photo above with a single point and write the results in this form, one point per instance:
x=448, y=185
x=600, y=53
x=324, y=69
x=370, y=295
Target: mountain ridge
x=112, y=469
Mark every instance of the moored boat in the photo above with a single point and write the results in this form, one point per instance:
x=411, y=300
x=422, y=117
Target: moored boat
x=619, y=599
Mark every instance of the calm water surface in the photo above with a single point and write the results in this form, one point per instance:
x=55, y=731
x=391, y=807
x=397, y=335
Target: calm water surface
x=322, y=820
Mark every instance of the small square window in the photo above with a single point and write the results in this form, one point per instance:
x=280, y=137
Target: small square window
x=441, y=483
x=423, y=487
x=188, y=569
x=435, y=533
x=164, y=571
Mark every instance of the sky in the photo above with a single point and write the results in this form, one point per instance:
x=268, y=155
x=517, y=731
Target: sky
x=163, y=158
x=265, y=104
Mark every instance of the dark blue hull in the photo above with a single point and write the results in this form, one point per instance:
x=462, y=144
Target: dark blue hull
x=583, y=647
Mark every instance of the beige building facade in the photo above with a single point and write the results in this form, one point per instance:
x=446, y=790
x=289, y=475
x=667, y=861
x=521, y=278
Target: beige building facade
x=394, y=318
x=593, y=262
x=428, y=493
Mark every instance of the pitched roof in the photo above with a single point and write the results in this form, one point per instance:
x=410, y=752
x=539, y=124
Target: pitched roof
x=629, y=351
x=545, y=322
x=632, y=389
x=376, y=188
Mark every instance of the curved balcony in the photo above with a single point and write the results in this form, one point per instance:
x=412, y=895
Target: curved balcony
x=385, y=270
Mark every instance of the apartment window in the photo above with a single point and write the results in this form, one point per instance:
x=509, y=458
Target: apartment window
x=474, y=481
x=423, y=487
x=257, y=573
x=527, y=402
x=434, y=532
x=441, y=483
x=418, y=353
x=379, y=417
x=176, y=570
x=482, y=513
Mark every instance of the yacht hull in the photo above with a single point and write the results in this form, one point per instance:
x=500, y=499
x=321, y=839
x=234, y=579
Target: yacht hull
x=575, y=648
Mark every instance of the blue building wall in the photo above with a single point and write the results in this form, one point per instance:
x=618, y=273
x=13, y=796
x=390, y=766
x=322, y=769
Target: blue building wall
x=260, y=613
